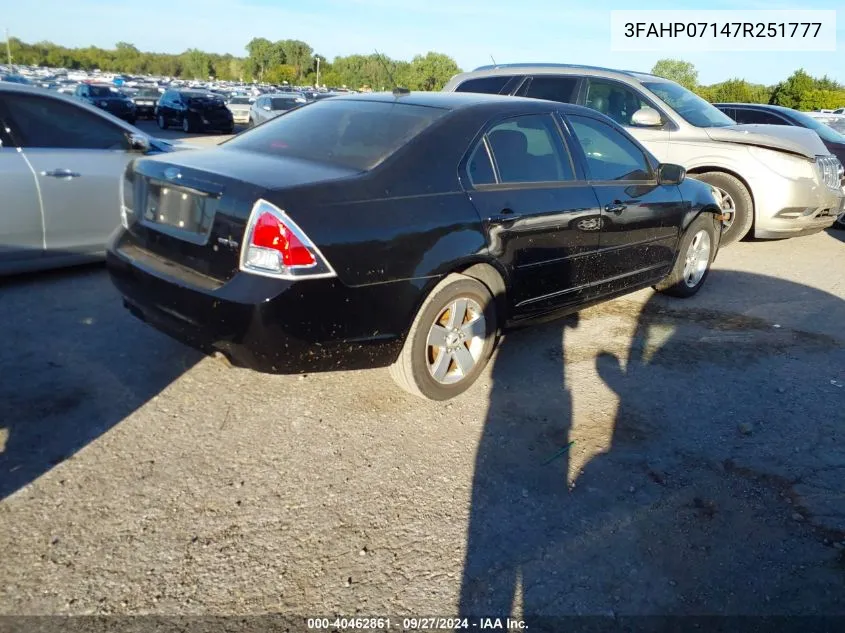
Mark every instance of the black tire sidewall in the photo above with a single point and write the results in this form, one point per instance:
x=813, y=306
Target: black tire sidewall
x=471, y=289
x=702, y=222
x=744, y=213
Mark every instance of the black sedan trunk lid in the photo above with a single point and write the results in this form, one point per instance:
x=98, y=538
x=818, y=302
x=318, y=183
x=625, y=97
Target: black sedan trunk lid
x=189, y=211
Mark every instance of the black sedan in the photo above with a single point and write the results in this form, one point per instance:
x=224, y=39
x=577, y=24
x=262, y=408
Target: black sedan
x=403, y=230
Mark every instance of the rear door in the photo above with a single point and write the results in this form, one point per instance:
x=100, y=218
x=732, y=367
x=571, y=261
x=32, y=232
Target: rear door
x=540, y=214
x=21, y=235
x=78, y=158
x=640, y=220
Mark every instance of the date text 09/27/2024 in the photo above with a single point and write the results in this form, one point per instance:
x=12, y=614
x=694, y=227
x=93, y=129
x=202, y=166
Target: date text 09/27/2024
x=413, y=624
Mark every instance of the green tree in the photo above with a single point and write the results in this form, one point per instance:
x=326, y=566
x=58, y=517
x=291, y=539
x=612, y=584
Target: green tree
x=431, y=71
x=280, y=74
x=794, y=90
x=738, y=91
x=678, y=71
x=196, y=64
x=261, y=53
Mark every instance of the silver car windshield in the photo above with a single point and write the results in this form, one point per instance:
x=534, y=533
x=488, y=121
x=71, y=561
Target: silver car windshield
x=689, y=106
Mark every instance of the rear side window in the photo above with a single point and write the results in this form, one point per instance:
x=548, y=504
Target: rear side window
x=345, y=132
x=529, y=149
x=744, y=115
x=552, y=88
x=281, y=103
x=487, y=85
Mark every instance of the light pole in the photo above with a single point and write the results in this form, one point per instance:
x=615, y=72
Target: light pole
x=318, y=70
x=8, y=48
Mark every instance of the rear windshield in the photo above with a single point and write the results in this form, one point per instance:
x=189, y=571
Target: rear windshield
x=148, y=92
x=285, y=103
x=344, y=132
x=239, y=101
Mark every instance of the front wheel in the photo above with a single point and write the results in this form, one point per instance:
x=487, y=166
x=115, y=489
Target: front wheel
x=692, y=265
x=450, y=340
x=162, y=122
x=737, y=205
x=186, y=125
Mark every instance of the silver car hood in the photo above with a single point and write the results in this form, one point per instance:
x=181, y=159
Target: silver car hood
x=787, y=138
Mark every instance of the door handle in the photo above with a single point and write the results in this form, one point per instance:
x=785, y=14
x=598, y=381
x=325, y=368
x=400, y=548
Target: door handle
x=61, y=173
x=506, y=217
x=617, y=206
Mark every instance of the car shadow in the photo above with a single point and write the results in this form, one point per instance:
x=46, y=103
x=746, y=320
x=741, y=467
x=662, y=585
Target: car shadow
x=720, y=479
x=75, y=364
x=838, y=233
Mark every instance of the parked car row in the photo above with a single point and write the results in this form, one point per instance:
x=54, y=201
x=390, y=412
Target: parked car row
x=325, y=237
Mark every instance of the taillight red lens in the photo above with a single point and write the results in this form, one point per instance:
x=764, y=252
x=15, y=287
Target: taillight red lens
x=270, y=232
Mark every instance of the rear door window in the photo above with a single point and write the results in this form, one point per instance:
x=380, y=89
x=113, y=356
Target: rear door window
x=748, y=115
x=552, y=88
x=345, y=132
x=487, y=85
x=529, y=148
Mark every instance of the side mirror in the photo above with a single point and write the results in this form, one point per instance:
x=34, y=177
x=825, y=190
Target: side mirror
x=646, y=117
x=265, y=108
x=138, y=143
x=670, y=174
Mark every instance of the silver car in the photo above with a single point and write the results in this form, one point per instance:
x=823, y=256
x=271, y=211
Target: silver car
x=240, y=108
x=774, y=181
x=270, y=106
x=61, y=163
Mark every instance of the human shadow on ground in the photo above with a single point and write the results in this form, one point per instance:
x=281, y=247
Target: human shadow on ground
x=74, y=364
x=722, y=480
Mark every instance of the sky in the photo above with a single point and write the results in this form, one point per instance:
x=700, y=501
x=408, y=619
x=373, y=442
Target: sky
x=473, y=32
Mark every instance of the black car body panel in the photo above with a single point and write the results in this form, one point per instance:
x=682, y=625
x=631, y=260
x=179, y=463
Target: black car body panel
x=201, y=109
x=390, y=233
x=109, y=99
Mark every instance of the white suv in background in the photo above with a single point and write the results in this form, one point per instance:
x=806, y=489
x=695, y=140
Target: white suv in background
x=774, y=181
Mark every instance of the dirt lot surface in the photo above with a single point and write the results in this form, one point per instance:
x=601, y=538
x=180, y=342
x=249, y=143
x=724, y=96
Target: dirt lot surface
x=707, y=473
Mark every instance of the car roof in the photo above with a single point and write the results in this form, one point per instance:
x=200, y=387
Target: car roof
x=551, y=68
x=756, y=106
x=450, y=100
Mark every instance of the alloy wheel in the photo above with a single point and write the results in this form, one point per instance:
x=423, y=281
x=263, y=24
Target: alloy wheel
x=697, y=259
x=455, y=341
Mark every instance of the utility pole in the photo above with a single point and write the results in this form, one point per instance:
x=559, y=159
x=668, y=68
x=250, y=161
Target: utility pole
x=8, y=48
x=318, y=71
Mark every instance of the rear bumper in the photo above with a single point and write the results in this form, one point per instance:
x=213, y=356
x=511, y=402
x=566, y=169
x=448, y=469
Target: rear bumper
x=269, y=325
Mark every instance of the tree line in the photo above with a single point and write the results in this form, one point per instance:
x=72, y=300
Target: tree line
x=800, y=90
x=292, y=61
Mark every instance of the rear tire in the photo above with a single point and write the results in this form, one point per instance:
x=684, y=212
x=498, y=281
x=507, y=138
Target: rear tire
x=739, y=201
x=186, y=125
x=695, y=255
x=450, y=341
x=162, y=122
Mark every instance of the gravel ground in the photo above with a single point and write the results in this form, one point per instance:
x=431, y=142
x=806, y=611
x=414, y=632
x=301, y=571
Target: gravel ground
x=707, y=473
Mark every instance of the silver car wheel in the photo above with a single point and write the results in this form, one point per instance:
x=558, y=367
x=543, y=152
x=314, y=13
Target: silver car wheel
x=697, y=259
x=186, y=127
x=728, y=207
x=456, y=341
